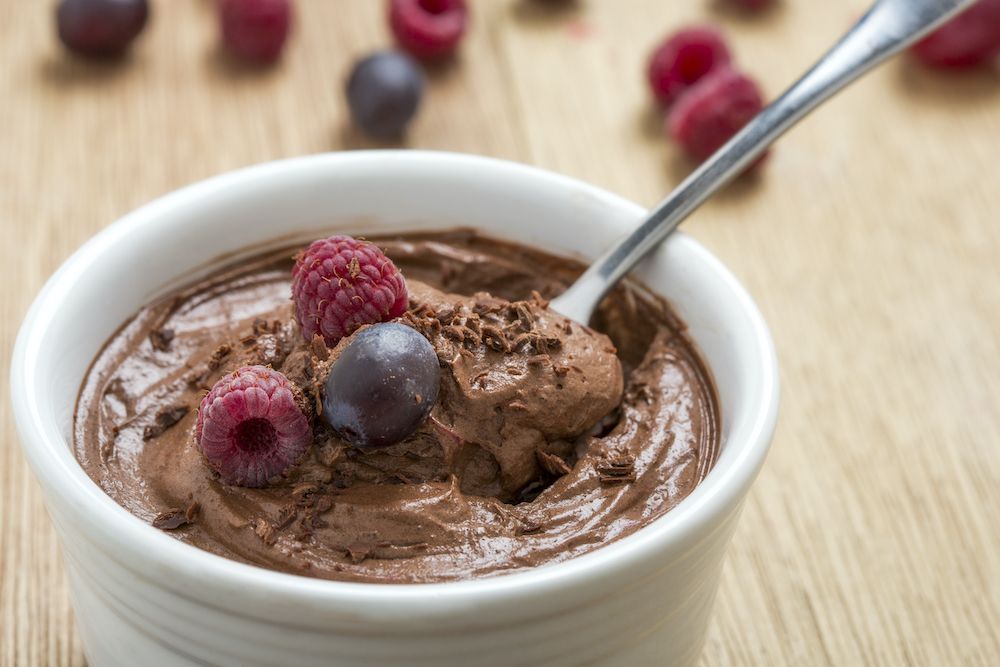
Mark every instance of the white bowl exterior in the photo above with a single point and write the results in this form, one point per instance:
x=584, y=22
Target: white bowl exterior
x=137, y=592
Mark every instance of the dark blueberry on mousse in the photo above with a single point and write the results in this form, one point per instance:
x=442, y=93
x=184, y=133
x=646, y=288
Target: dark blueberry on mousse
x=382, y=386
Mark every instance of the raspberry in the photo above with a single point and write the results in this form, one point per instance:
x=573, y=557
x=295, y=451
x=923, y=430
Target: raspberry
x=970, y=39
x=250, y=427
x=100, y=27
x=428, y=29
x=683, y=59
x=712, y=111
x=255, y=30
x=340, y=284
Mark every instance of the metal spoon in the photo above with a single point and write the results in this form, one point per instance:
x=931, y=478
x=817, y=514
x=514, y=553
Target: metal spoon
x=887, y=28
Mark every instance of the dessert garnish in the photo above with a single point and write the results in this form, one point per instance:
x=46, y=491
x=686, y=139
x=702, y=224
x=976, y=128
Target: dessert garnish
x=100, y=27
x=709, y=113
x=382, y=385
x=340, y=284
x=428, y=29
x=683, y=59
x=255, y=30
x=970, y=39
x=251, y=428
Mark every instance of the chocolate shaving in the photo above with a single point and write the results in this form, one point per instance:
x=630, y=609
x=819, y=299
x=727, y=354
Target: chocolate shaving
x=455, y=332
x=528, y=528
x=538, y=300
x=554, y=465
x=519, y=405
x=302, y=530
x=304, y=489
x=617, y=470
x=513, y=328
x=220, y=354
x=445, y=316
x=354, y=268
x=285, y=518
x=313, y=522
x=192, y=511
x=322, y=504
x=552, y=341
x=473, y=336
x=200, y=380
x=318, y=347
x=358, y=553
x=172, y=519
x=539, y=360
x=524, y=314
x=561, y=371
x=520, y=341
x=164, y=419
x=488, y=305
x=160, y=339
x=495, y=338
x=540, y=344
x=265, y=531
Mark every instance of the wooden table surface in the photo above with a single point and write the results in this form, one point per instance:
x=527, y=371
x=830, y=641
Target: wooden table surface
x=869, y=240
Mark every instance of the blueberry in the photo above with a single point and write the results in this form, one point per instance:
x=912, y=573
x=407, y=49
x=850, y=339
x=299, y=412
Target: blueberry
x=100, y=27
x=383, y=93
x=382, y=386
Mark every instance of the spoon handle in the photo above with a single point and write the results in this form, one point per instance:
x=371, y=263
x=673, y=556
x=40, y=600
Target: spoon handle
x=887, y=28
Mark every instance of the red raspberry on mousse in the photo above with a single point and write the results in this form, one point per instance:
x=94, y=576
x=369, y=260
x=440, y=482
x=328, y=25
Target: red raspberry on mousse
x=340, y=284
x=428, y=29
x=250, y=427
x=683, y=59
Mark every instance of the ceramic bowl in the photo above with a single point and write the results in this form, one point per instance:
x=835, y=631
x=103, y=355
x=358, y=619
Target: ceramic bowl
x=140, y=594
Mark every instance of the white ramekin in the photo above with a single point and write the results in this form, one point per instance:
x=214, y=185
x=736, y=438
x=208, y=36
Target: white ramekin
x=140, y=595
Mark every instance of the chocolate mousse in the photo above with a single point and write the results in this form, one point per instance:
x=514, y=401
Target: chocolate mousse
x=547, y=438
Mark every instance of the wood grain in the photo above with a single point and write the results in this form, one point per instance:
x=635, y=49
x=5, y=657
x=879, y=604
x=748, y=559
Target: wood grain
x=869, y=240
